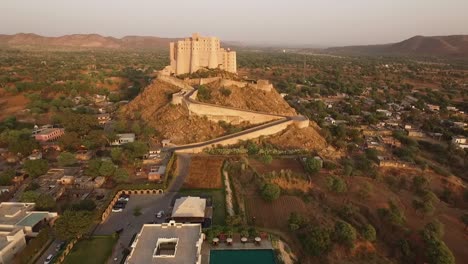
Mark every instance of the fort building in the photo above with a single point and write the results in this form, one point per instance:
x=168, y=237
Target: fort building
x=197, y=52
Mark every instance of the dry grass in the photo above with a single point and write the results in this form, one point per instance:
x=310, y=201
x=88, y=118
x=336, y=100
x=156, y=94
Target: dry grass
x=275, y=214
x=204, y=173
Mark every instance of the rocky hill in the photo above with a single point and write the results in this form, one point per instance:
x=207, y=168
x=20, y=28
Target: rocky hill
x=441, y=46
x=249, y=99
x=84, y=41
x=174, y=122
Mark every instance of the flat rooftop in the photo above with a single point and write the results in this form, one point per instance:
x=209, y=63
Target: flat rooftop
x=47, y=131
x=158, y=239
x=12, y=213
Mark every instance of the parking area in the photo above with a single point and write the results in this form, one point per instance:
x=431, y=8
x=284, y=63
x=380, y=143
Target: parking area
x=140, y=209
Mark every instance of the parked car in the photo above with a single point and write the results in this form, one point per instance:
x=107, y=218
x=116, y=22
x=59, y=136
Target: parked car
x=118, y=207
x=59, y=246
x=160, y=214
x=124, y=198
x=49, y=259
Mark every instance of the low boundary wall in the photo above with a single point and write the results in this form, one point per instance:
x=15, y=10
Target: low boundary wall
x=108, y=210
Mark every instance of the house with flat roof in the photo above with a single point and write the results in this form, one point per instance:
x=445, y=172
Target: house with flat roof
x=17, y=221
x=49, y=134
x=12, y=242
x=167, y=243
x=124, y=139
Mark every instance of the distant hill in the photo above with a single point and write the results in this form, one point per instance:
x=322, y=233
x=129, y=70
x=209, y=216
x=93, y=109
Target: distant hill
x=439, y=46
x=84, y=41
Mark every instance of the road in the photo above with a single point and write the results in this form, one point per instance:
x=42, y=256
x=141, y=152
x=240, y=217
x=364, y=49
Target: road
x=50, y=251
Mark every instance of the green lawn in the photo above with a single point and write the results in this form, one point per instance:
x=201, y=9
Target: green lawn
x=91, y=251
x=219, y=202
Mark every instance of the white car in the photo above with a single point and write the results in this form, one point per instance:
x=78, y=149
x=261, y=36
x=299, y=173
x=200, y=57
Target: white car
x=160, y=214
x=49, y=259
x=117, y=210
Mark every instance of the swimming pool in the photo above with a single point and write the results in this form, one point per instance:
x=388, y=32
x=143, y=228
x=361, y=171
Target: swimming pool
x=244, y=256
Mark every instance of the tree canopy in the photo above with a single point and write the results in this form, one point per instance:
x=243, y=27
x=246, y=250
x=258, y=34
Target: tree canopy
x=270, y=192
x=73, y=223
x=36, y=168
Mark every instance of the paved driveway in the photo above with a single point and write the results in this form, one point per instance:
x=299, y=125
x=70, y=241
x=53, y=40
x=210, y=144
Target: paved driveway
x=149, y=204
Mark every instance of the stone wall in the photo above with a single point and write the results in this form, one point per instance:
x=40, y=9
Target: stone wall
x=230, y=115
x=256, y=132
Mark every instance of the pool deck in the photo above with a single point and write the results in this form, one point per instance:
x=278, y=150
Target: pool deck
x=236, y=245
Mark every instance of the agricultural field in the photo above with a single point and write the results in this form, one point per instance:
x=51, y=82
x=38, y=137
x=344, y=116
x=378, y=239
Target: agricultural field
x=277, y=165
x=204, y=173
x=273, y=214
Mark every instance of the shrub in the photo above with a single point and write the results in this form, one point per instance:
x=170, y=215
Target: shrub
x=316, y=241
x=369, y=233
x=336, y=184
x=345, y=233
x=225, y=91
x=270, y=192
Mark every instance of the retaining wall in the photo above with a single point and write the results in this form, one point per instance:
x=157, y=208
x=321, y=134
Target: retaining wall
x=230, y=115
x=236, y=138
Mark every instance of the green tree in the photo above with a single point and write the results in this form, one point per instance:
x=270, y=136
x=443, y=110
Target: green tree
x=6, y=177
x=36, y=168
x=93, y=167
x=121, y=175
x=95, y=139
x=464, y=219
x=438, y=253
x=312, y=165
x=29, y=197
x=70, y=141
x=45, y=202
x=296, y=221
x=116, y=154
x=252, y=148
x=270, y=192
x=84, y=205
x=266, y=158
x=345, y=233
x=316, y=241
x=135, y=150
x=72, y=224
x=336, y=184
x=369, y=233
x=107, y=169
x=66, y=159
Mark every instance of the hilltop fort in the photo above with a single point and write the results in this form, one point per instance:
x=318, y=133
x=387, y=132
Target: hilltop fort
x=194, y=53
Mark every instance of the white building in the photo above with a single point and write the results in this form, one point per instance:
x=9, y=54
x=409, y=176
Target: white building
x=18, y=220
x=124, y=139
x=167, y=243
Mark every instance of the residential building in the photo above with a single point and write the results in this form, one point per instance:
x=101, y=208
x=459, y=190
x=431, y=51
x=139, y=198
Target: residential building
x=17, y=221
x=190, y=209
x=167, y=243
x=460, y=141
x=49, y=134
x=103, y=118
x=124, y=139
x=12, y=242
x=156, y=173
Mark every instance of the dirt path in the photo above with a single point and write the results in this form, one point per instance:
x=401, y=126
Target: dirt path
x=229, y=207
x=183, y=164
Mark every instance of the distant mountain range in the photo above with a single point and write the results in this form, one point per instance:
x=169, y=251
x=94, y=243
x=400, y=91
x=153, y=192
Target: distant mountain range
x=438, y=46
x=84, y=41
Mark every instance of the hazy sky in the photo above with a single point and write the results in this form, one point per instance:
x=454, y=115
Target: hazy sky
x=320, y=22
